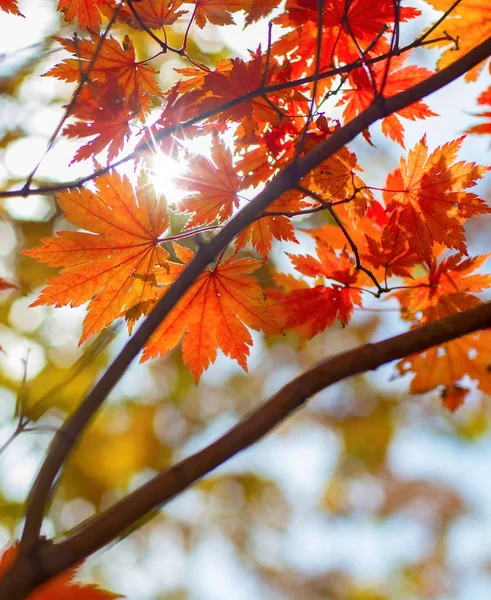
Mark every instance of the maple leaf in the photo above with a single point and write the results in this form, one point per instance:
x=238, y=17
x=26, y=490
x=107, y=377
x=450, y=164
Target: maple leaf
x=426, y=198
x=336, y=180
x=214, y=185
x=242, y=78
x=470, y=23
x=347, y=27
x=399, y=78
x=87, y=12
x=61, y=587
x=214, y=313
x=484, y=98
x=311, y=310
x=449, y=286
x=105, y=112
x=152, y=14
x=10, y=6
x=113, y=262
x=395, y=256
x=443, y=366
x=262, y=232
x=114, y=61
x=218, y=12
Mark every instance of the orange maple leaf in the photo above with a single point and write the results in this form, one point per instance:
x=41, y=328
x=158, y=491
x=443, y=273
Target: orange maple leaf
x=87, y=12
x=213, y=313
x=218, y=12
x=399, y=78
x=442, y=367
x=214, y=185
x=469, y=23
x=152, y=14
x=484, y=98
x=10, y=6
x=262, y=232
x=394, y=255
x=336, y=180
x=114, y=61
x=60, y=587
x=426, y=198
x=449, y=287
x=113, y=265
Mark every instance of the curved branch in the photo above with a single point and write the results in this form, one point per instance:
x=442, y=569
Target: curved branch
x=122, y=517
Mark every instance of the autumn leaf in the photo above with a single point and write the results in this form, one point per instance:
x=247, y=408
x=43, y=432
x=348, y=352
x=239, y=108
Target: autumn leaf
x=218, y=12
x=337, y=180
x=347, y=27
x=242, y=78
x=485, y=99
x=10, y=6
x=213, y=184
x=6, y=285
x=449, y=285
x=427, y=201
x=398, y=78
x=114, y=61
x=443, y=367
x=61, y=587
x=104, y=112
x=112, y=263
x=152, y=14
x=262, y=232
x=213, y=314
x=86, y=12
x=469, y=23
x=394, y=256
x=314, y=309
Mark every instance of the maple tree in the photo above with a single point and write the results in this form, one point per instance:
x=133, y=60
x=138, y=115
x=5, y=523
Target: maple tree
x=206, y=269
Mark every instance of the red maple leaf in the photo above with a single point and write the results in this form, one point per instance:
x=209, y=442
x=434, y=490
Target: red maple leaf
x=311, y=310
x=10, y=6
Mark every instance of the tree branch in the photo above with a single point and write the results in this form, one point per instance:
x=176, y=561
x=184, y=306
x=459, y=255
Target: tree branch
x=120, y=518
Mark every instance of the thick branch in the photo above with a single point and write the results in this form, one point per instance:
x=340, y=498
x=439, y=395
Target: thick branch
x=118, y=519
x=14, y=586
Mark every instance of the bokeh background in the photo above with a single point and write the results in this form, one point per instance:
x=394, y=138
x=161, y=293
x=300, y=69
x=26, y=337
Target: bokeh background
x=367, y=493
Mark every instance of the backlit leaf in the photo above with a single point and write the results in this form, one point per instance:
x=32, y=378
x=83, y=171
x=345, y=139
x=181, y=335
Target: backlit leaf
x=112, y=263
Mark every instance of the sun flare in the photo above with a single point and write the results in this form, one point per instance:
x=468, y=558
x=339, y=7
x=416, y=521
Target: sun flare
x=164, y=174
